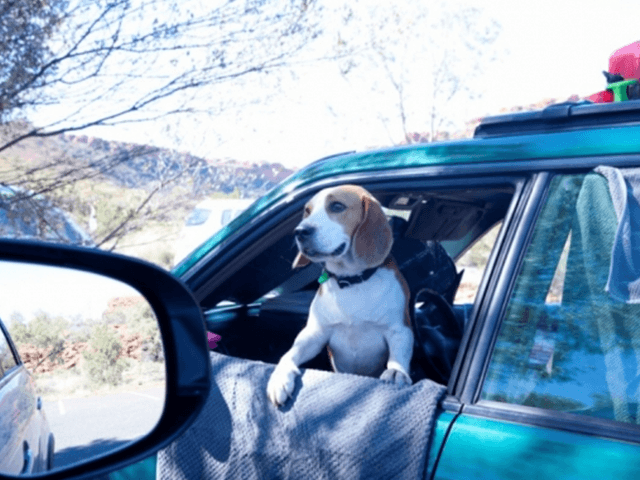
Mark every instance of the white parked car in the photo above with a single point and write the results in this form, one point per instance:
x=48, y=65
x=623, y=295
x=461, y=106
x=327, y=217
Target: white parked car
x=207, y=218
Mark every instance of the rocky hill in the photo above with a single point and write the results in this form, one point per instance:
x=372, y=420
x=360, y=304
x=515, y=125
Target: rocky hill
x=37, y=361
x=128, y=197
x=139, y=166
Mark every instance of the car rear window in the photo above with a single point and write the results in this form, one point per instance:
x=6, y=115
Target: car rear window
x=198, y=217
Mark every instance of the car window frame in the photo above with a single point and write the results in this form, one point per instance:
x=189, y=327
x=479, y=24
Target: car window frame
x=14, y=351
x=283, y=216
x=210, y=270
x=480, y=349
x=246, y=241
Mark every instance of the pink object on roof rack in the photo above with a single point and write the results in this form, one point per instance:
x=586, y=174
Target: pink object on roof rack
x=626, y=61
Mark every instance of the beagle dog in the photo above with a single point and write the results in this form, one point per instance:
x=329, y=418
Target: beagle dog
x=361, y=309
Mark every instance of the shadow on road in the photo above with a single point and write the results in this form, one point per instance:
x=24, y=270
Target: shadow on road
x=79, y=453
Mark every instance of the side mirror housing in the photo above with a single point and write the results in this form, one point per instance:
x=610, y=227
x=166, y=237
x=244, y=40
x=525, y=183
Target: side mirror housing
x=184, y=339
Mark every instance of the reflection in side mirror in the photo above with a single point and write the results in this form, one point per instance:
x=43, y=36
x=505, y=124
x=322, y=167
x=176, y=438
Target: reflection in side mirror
x=81, y=367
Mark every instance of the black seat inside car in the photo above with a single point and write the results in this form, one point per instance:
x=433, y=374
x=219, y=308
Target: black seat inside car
x=424, y=264
x=433, y=281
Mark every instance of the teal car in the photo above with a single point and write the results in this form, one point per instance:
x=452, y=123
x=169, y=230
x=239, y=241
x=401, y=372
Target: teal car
x=540, y=354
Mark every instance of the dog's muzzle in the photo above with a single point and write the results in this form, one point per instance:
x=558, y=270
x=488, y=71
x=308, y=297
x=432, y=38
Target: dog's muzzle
x=304, y=238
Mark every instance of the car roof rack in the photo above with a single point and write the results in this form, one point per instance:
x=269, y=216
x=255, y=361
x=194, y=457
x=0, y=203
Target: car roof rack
x=560, y=117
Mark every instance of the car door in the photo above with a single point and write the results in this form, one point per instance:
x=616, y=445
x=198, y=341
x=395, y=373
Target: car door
x=19, y=426
x=548, y=386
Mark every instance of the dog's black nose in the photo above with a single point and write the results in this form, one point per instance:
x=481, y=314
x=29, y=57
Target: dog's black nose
x=303, y=232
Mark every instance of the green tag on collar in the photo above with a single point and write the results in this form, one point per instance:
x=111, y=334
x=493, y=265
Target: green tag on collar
x=324, y=277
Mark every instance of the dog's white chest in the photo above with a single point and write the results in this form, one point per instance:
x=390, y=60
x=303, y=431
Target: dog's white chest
x=363, y=351
x=378, y=300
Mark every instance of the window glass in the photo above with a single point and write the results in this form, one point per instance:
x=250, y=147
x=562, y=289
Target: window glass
x=198, y=216
x=565, y=342
x=7, y=360
x=393, y=212
x=473, y=264
x=226, y=217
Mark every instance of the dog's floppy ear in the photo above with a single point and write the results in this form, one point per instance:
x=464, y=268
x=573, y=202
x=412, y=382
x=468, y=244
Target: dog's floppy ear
x=300, y=261
x=373, y=238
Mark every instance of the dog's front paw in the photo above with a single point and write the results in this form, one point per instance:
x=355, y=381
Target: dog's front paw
x=395, y=376
x=282, y=382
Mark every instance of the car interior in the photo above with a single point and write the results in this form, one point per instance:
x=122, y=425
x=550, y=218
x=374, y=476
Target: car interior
x=260, y=309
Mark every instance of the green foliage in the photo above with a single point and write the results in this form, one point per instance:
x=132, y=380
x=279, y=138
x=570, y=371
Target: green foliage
x=236, y=194
x=79, y=179
x=149, y=233
x=80, y=329
x=43, y=331
x=103, y=363
x=112, y=203
x=478, y=254
x=18, y=328
x=140, y=319
x=26, y=27
x=144, y=321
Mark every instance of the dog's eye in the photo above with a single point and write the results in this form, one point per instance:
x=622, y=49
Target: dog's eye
x=337, y=207
x=307, y=211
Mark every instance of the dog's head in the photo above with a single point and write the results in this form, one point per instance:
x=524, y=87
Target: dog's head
x=344, y=225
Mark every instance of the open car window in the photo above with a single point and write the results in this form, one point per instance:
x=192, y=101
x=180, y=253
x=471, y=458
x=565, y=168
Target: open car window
x=455, y=218
x=262, y=306
x=473, y=264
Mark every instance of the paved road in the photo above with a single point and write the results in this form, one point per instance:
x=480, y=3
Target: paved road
x=86, y=427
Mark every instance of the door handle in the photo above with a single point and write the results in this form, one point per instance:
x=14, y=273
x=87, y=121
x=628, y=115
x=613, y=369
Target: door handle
x=28, y=459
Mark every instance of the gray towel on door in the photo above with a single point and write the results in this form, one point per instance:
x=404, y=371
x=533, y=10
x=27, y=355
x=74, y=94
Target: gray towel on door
x=337, y=426
x=624, y=272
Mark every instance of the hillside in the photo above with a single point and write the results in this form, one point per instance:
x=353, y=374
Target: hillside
x=137, y=166
x=130, y=198
x=141, y=165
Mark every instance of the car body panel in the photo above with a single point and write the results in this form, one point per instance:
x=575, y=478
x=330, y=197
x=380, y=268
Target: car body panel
x=444, y=421
x=23, y=427
x=18, y=404
x=486, y=448
x=146, y=469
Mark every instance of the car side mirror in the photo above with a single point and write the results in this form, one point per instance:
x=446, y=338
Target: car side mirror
x=65, y=309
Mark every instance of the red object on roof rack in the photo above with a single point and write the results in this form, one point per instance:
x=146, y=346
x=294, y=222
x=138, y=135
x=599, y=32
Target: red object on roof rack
x=626, y=61
x=624, y=64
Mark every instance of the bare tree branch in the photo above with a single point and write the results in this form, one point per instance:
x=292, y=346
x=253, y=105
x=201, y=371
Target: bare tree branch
x=428, y=56
x=126, y=51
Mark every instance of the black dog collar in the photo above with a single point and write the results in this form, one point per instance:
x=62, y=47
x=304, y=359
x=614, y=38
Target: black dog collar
x=347, y=281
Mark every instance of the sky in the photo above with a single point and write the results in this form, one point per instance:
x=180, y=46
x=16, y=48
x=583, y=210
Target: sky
x=29, y=289
x=546, y=49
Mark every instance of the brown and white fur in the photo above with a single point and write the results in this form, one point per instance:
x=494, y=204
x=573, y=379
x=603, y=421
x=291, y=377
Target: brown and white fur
x=366, y=325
